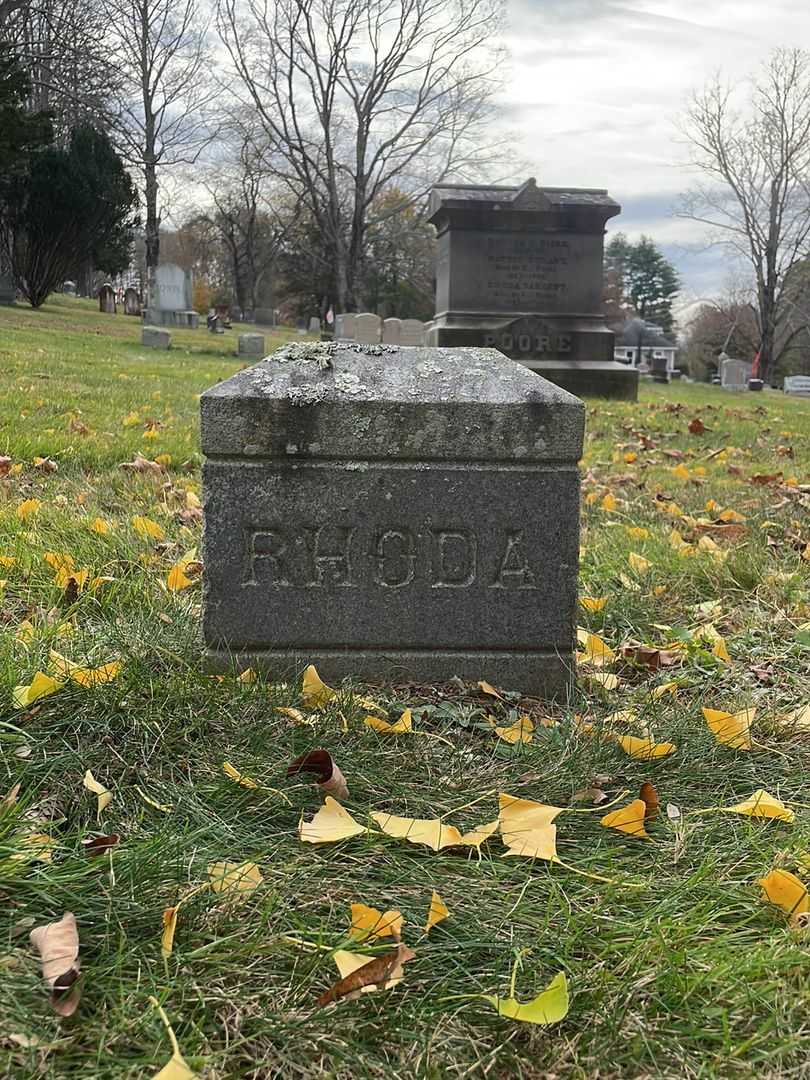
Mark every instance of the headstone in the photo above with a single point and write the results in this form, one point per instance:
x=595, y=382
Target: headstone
x=797, y=384
x=391, y=331
x=314, y=325
x=367, y=328
x=155, y=337
x=69, y=288
x=413, y=332
x=443, y=540
x=132, y=302
x=171, y=293
x=734, y=374
x=251, y=345
x=345, y=326
x=8, y=293
x=660, y=371
x=189, y=319
x=264, y=316
x=106, y=299
x=519, y=269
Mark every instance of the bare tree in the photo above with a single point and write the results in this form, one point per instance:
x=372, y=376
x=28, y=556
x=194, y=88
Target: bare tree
x=358, y=96
x=160, y=50
x=756, y=193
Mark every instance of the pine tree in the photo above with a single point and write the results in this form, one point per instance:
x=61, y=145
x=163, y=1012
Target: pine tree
x=643, y=277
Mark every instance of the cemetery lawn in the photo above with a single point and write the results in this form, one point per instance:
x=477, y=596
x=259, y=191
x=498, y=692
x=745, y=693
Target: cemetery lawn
x=676, y=966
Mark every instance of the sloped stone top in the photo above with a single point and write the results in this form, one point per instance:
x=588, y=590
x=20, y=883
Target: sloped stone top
x=527, y=196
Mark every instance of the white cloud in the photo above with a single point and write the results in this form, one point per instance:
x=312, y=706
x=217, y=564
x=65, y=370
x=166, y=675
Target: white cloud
x=596, y=87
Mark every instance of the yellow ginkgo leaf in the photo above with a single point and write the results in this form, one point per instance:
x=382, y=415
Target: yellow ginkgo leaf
x=7, y=561
x=665, y=688
x=681, y=472
x=40, y=686
x=644, y=749
x=433, y=832
x=731, y=729
x=593, y=603
x=628, y=819
x=315, y=692
x=240, y=778
x=477, y=835
x=786, y=891
x=369, y=923
x=60, y=665
x=293, y=714
x=169, y=928
x=331, y=823
x=549, y=1007
x=89, y=677
x=28, y=508
x=488, y=688
x=527, y=827
x=799, y=718
x=59, y=561
x=242, y=877
x=104, y=797
x=100, y=526
x=399, y=727
x=762, y=805
x=594, y=650
x=636, y=532
x=604, y=679
x=437, y=912
x=177, y=579
x=609, y=502
x=720, y=651
x=638, y=562
x=175, y=1068
x=520, y=731
x=148, y=529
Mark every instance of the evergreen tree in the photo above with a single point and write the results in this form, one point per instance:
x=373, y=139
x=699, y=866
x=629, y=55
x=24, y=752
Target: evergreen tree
x=70, y=207
x=21, y=132
x=645, y=279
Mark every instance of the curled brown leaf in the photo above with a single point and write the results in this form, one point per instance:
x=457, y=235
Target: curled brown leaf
x=322, y=765
x=374, y=973
x=58, y=946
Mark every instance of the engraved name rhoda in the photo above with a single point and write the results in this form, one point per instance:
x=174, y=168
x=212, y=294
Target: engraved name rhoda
x=392, y=558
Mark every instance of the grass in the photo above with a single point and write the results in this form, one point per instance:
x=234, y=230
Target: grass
x=677, y=969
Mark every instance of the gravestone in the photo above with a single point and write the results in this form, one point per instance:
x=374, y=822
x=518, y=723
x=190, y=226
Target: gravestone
x=660, y=371
x=314, y=325
x=367, y=328
x=389, y=512
x=265, y=316
x=519, y=269
x=106, y=299
x=8, y=293
x=734, y=374
x=251, y=345
x=413, y=332
x=797, y=384
x=170, y=296
x=344, y=326
x=155, y=337
x=391, y=331
x=132, y=302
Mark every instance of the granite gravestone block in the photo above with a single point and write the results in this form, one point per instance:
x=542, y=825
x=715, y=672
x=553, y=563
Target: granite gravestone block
x=155, y=337
x=367, y=328
x=519, y=269
x=106, y=299
x=132, y=302
x=389, y=512
x=170, y=296
x=251, y=345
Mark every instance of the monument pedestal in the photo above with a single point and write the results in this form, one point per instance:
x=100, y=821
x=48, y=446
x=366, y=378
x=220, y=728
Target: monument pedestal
x=520, y=270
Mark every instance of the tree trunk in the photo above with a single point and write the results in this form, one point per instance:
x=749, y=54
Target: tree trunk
x=152, y=220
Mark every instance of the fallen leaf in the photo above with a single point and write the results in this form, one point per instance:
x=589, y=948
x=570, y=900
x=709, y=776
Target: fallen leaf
x=368, y=923
x=176, y=1067
x=673, y=812
x=233, y=774
x=638, y=562
x=595, y=650
x=593, y=603
x=437, y=912
x=315, y=692
x=169, y=928
x=665, y=688
x=90, y=677
x=520, y=731
x=165, y=808
x=141, y=464
x=527, y=827
x=604, y=679
x=697, y=427
x=549, y=1007
x=321, y=763
x=486, y=688
x=628, y=819
x=609, y=503
x=148, y=529
x=98, y=845
x=477, y=835
x=58, y=946
x=177, y=579
x=365, y=973
x=104, y=796
x=35, y=847
x=433, y=832
x=293, y=714
x=28, y=508
x=786, y=891
x=799, y=718
x=731, y=729
x=762, y=805
x=40, y=686
x=644, y=749
x=100, y=526
x=593, y=795
x=637, y=532
x=650, y=797
x=399, y=727
x=331, y=823
x=244, y=877
x=650, y=656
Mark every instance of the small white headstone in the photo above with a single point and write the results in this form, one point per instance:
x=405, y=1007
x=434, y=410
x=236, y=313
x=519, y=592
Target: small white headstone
x=412, y=332
x=155, y=337
x=734, y=374
x=344, y=326
x=314, y=325
x=797, y=384
x=391, y=331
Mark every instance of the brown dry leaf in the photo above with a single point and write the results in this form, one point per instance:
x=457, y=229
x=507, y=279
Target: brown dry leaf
x=593, y=795
x=5, y=465
x=141, y=464
x=487, y=688
x=58, y=946
x=697, y=427
x=321, y=764
x=649, y=656
x=721, y=529
x=377, y=973
x=650, y=797
x=99, y=845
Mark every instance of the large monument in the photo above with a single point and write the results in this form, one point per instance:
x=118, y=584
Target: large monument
x=387, y=513
x=520, y=270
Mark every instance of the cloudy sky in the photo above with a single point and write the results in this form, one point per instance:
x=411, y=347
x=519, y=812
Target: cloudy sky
x=596, y=87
